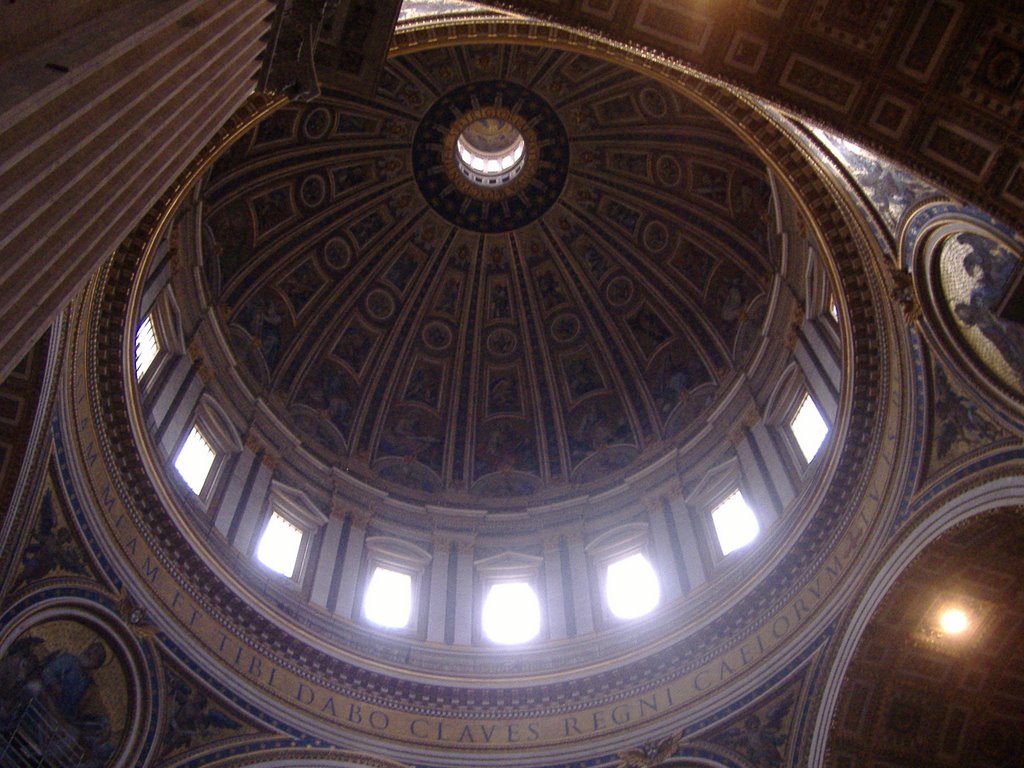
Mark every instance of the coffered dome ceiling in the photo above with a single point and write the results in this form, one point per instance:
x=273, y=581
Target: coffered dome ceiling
x=456, y=343
x=470, y=380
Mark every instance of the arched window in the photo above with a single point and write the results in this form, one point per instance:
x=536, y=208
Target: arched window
x=626, y=576
x=799, y=418
x=280, y=544
x=201, y=455
x=510, y=611
x=388, y=599
x=285, y=542
x=158, y=340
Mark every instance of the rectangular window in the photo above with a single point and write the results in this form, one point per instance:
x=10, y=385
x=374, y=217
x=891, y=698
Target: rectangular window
x=279, y=545
x=511, y=613
x=735, y=523
x=146, y=347
x=809, y=428
x=631, y=586
x=194, y=460
x=388, y=598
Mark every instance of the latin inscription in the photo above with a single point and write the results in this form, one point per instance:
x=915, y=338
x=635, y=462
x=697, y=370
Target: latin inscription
x=274, y=677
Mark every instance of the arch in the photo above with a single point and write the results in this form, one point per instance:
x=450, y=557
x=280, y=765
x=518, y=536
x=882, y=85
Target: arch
x=997, y=492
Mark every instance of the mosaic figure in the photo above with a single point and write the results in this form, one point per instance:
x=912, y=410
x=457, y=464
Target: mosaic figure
x=65, y=696
x=975, y=272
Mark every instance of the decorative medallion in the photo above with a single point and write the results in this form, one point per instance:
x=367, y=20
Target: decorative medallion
x=565, y=328
x=668, y=171
x=501, y=342
x=379, y=304
x=312, y=191
x=437, y=336
x=655, y=237
x=619, y=291
x=337, y=253
x=652, y=101
x=317, y=123
x=71, y=695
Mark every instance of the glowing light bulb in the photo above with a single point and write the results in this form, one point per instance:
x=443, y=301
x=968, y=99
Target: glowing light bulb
x=953, y=621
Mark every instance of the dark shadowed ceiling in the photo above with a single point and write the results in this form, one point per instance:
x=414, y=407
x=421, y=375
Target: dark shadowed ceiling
x=409, y=335
x=915, y=697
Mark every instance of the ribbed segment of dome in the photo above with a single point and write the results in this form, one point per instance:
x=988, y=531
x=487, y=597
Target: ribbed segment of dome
x=514, y=349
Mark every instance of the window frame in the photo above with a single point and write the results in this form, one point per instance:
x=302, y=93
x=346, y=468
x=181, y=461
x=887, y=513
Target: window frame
x=149, y=319
x=612, y=546
x=164, y=315
x=790, y=434
x=283, y=516
x=295, y=508
x=400, y=556
x=203, y=494
x=209, y=419
x=715, y=506
x=782, y=406
x=506, y=568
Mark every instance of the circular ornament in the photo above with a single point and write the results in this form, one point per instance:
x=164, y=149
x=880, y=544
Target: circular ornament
x=337, y=254
x=502, y=342
x=312, y=191
x=668, y=171
x=652, y=101
x=437, y=336
x=619, y=291
x=379, y=304
x=317, y=123
x=565, y=328
x=655, y=237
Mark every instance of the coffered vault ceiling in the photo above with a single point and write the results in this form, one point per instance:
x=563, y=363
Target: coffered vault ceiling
x=410, y=337
x=936, y=84
x=914, y=696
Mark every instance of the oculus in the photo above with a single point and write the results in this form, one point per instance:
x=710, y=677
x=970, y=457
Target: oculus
x=490, y=156
x=490, y=152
